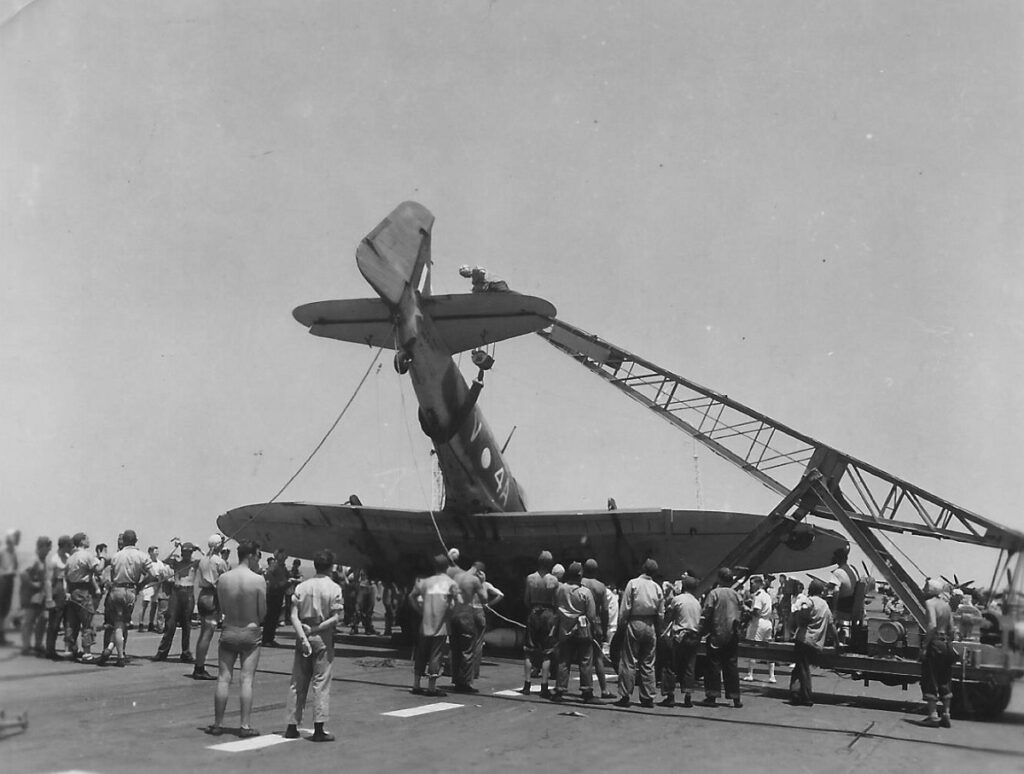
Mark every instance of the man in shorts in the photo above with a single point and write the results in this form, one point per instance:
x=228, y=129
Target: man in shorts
x=242, y=594
x=210, y=568
x=434, y=598
x=541, y=623
x=129, y=568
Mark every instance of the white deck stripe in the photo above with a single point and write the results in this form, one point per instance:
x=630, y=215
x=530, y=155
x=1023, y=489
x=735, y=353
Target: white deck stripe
x=253, y=743
x=425, y=709
x=508, y=693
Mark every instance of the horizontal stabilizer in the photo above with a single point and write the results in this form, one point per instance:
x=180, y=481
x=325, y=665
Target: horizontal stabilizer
x=463, y=321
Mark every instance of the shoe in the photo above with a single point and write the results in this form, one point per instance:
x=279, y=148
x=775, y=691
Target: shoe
x=187, y=658
x=544, y=692
x=557, y=696
x=159, y=657
x=772, y=680
x=607, y=695
x=647, y=703
x=434, y=692
x=464, y=689
x=931, y=722
x=416, y=691
x=202, y=674
x=944, y=722
x=121, y=662
x=589, y=698
x=748, y=679
x=623, y=702
x=709, y=701
x=737, y=703
x=151, y=628
x=103, y=658
x=271, y=644
x=525, y=690
x=687, y=701
x=668, y=701
x=323, y=736
x=292, y=732
x=214, y=730
x=246, y=733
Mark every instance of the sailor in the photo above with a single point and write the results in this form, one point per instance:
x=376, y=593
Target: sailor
x=842, y=583
x=937, y=656
x=181, y=602
x=35, y=591
x=641, y=614
x=600, y=632
x=82, y=573
x=277, y=589
x=57, y=565
x=366, y=600
x=682, y=629
x=721, y=618
x=759, y=628
x=434, y=599
x=454, y=569
x=130, y=568
x=541, y=623
x=483, y=280
x=242, y=594
x=466, y=628
x=814, y=622
x=8, y=574
x=316, y=609
x=208, y=572
x=577, y=619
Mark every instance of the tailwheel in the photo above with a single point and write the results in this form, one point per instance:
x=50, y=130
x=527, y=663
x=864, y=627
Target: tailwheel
x=402, y=361
x=984, y=701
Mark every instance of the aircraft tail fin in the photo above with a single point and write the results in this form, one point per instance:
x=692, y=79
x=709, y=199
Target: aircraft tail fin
x=394, y=256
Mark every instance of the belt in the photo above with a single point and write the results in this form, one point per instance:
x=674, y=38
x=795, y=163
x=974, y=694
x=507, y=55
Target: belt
x=124, y=585
x=183, y=588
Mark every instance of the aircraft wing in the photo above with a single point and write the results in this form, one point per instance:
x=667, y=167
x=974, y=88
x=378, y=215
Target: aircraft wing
x=464, y=321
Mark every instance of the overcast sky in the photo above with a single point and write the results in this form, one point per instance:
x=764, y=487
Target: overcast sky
x=813, y=207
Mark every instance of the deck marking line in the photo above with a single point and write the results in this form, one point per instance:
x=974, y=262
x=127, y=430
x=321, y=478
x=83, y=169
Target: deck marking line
x=425, y=709
x=253, y=743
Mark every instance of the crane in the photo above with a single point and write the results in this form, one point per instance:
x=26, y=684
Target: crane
x=813, y=479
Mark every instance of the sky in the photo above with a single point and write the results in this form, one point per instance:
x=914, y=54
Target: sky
x=814, y=208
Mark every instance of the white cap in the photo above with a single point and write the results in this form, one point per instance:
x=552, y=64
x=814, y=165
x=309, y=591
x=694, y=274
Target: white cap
x=216, y=540
x=558, y=571
x=453, y=554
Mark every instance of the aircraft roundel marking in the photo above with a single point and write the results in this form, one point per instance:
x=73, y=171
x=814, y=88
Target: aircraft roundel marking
x=485, y=458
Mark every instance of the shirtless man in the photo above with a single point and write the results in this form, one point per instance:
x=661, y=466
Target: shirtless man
x=541, y=624
x=208, y=572
x=242, y=594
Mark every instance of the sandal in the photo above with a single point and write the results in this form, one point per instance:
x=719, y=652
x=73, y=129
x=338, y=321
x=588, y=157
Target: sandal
x=245, y=733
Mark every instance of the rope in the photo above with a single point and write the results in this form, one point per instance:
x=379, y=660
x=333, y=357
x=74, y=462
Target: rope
x=323, y=440
x=416, y=467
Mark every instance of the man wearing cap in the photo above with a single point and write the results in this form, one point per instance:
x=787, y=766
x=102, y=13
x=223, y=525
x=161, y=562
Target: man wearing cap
x=760, y=627
x=82, y=573
x=683, y=630
x=483, y=281
x=721, y=619
x=277, y=589
x=600, y=632
x=937, y=656
x=814, y=622
x=577, y=619
x=208, y=572
x=181, y=602
x=641, y=614
x=541, y=622
x=130, y=568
